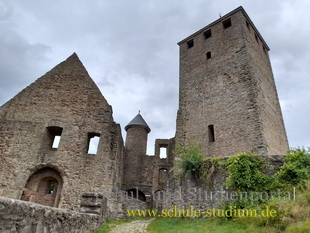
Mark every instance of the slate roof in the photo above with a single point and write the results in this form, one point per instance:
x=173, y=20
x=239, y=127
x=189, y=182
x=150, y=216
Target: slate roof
x=139, y=122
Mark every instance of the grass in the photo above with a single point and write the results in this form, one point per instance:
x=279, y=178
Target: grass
x=172, y=225
x=110, y=224
x=292, y=217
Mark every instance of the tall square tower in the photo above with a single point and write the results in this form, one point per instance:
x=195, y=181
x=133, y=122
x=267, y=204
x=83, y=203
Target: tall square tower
x=227, y=99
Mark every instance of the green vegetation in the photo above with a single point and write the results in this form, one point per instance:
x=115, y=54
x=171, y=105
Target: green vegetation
x=189, y=159
x=246, y=172
x=296, y=167
x=181, y=225
x=293, y=217
x=110, y=224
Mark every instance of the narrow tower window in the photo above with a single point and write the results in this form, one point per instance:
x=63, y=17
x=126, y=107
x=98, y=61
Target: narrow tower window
x=227, y=23
x=93, y=143
x=163, y=153
x=211, y=133
x=207, y=34
x=190, y=43
x=208, y=54
x=54, y=135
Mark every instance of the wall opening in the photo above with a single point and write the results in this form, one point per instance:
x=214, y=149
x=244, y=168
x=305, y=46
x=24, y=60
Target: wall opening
x=190, y=43
x=227, y=23
x=93, y=143
x=208, y=55
x=162, y=178
x=163, y=152
x=211, y=133
x=54, y=136
x=136, y=193
x=207, y=34
x=43, y=187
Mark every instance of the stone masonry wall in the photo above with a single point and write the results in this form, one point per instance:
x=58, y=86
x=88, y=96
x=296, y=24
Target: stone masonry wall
x=67, y=98
x=190, y=191
x=233, y=91
x=26, y=217
x=268, y=106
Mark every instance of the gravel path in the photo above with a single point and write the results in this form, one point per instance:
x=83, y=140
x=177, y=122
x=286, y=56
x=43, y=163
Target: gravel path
x=138, y=226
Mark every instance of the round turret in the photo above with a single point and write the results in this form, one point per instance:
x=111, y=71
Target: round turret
x=136, y=143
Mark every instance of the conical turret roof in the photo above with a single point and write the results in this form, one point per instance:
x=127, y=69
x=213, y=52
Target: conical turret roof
x=138, y=121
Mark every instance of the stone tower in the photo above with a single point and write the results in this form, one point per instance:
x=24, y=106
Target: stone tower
x=135, y=157
x=227, y=98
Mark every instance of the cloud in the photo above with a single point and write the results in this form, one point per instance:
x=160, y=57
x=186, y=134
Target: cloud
x=19, y=61
x=130, y=50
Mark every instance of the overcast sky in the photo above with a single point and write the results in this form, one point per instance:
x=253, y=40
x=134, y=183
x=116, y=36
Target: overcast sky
x=129, y=48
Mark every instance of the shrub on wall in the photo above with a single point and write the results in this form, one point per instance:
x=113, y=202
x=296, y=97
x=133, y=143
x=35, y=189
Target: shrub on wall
x=296, y=167
x=245, y=172
x=189, y=159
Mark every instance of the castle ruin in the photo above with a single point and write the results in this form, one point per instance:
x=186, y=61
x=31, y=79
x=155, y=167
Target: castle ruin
x=227, y=101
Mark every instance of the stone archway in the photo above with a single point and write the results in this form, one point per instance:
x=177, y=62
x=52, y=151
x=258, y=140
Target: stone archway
x=136, y=193
x=44, y=187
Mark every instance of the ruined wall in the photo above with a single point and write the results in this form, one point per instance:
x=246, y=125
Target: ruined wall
x=163, y=166
x=204, y=194
x=68, y=99
x=26, y=217
x=226, y=84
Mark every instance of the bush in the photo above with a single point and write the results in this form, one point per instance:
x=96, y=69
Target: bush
x=245, y=172
x=296, y=167
x=189, y=158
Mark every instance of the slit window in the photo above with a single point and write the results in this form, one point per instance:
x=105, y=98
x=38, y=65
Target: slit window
x=93, y=143
x=190, y=43
x=207, y=34
x=163, y=153
x=211, y=133
x=208, y=55
x=54, y=135
x=227, y=23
